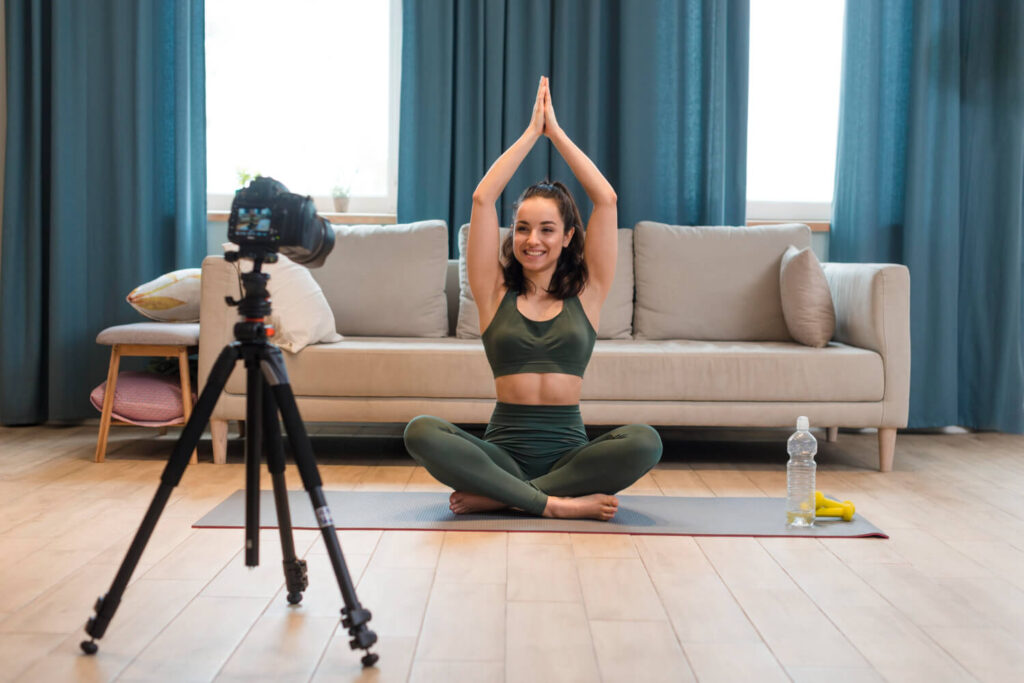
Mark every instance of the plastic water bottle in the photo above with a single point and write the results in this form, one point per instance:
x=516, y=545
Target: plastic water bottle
x=800, y=472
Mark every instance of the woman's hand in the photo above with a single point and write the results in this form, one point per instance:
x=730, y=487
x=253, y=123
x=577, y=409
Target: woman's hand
x=551, y=127
x=537, y=119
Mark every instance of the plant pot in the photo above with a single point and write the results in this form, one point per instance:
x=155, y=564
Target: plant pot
x=341, y=204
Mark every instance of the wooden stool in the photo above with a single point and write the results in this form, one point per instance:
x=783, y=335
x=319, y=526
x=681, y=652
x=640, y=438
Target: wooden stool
x=166, y=340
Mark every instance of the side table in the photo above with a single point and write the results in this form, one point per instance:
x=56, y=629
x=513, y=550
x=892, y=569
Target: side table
x=167, y=340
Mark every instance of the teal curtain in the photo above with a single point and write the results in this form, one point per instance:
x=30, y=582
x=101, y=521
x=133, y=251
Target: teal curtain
x=930, y=173
x=654, y=92
x=105, y=184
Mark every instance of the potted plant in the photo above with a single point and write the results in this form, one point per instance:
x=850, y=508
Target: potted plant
x=244, y=176
x=340, y=193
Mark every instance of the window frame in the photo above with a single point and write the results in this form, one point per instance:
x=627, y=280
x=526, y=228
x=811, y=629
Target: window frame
x=783, y=210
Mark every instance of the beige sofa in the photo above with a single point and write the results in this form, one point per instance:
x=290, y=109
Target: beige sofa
x=692, y=334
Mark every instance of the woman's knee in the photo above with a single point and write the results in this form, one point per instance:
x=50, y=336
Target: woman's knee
x=420, y=430
x=645, y=443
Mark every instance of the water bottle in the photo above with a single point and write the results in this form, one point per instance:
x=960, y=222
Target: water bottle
x=800, y=472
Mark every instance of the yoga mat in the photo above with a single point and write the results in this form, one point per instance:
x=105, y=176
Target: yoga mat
x=667, y=515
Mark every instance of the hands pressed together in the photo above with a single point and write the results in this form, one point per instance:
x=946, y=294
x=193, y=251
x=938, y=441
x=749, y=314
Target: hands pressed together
x=543, y=121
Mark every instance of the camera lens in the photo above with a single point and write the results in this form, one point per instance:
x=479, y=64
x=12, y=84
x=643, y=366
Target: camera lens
x=318, y=238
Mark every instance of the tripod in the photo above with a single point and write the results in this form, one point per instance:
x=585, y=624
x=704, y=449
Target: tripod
x=267, y=392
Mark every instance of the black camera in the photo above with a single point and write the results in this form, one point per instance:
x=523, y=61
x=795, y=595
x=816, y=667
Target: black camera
x=266, y=219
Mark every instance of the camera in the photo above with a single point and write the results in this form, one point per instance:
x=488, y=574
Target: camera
x=266, y=218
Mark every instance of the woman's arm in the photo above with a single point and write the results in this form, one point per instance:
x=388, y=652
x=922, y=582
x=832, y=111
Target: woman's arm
x=482, y=265
x=601, y=246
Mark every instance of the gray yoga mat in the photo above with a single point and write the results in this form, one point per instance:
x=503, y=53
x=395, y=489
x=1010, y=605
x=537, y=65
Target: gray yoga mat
x=667, y=515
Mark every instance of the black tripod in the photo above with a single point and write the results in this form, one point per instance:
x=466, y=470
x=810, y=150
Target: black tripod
x=264, y=370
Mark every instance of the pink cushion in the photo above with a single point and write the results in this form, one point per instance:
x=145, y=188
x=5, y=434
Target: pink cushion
x=144, y=399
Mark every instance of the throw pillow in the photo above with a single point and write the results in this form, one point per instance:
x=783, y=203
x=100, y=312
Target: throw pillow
x=616, y=314
x=300, y=313
x=173, y=297
x=806, y=299
x=143, y=399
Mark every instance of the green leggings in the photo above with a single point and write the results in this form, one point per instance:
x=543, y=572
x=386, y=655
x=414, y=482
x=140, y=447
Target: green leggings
x=530, y=452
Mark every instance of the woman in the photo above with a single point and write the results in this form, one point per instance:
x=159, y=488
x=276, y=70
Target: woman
x=539, y=315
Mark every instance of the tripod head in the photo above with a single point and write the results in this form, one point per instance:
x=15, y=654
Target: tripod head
x=254, y=306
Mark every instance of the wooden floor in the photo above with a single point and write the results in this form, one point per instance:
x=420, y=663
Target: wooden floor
x=943, y=600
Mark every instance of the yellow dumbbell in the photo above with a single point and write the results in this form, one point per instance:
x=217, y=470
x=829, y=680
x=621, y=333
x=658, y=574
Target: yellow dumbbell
x=826, y=507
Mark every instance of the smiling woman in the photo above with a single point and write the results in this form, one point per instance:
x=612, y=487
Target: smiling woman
x=548, y=232
x=539, y=313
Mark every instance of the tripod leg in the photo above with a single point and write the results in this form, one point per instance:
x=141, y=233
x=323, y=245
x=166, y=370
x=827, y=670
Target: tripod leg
x=107, y=604
x=253, y=457
x=354, y=616
x=295, y=576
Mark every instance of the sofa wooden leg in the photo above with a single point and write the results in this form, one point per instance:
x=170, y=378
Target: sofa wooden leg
x=833, y=434
x=886, y=448
x=219, y=438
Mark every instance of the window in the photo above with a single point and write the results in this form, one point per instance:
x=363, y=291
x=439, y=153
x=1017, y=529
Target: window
x=306, y=92
x=793, y=107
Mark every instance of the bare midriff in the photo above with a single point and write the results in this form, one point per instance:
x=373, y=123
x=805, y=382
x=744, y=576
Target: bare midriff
x=539, y=388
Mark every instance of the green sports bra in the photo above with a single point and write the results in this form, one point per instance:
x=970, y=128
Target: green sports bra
x=514, y=344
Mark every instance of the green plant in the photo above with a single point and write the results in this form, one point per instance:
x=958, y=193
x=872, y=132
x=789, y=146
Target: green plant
x=340, y=191
x=244, y=176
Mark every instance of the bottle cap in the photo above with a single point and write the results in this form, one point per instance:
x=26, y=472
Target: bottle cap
x=802, y=423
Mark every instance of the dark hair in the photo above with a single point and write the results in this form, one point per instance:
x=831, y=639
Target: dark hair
x=571, y=271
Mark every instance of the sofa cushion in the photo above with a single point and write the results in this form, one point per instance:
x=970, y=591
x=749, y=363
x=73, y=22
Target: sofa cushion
x=806, y=300
x=678, y=370
x=300, y=315
x=616, y=314
x=619, y=370
x=711, y=282
x=388, y=280
x=468, y=326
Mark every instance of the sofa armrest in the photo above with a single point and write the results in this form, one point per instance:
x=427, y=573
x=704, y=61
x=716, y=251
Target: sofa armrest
x=216, y=319
x=872, y=303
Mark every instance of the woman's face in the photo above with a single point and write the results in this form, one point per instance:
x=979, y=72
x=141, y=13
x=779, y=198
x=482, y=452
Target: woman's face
x=540, y=234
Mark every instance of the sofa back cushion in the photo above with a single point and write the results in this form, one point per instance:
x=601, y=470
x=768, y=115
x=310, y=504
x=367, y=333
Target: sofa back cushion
x=716, y=283
x=616, y=315
x=388, y=280
x=468, y=326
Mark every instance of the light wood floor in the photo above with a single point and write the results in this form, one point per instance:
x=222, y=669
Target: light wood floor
x=943, y=600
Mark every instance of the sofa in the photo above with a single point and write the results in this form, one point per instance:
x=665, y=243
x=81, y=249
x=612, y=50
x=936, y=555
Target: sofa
x=693, y=333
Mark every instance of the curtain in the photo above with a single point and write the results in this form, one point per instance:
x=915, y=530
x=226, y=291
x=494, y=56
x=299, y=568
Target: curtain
x=105, y=184
x=930, y=173
x=654, y=92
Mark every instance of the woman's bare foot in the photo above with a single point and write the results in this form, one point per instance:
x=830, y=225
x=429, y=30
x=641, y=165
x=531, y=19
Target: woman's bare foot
x=595, y=506
x=462, y=503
